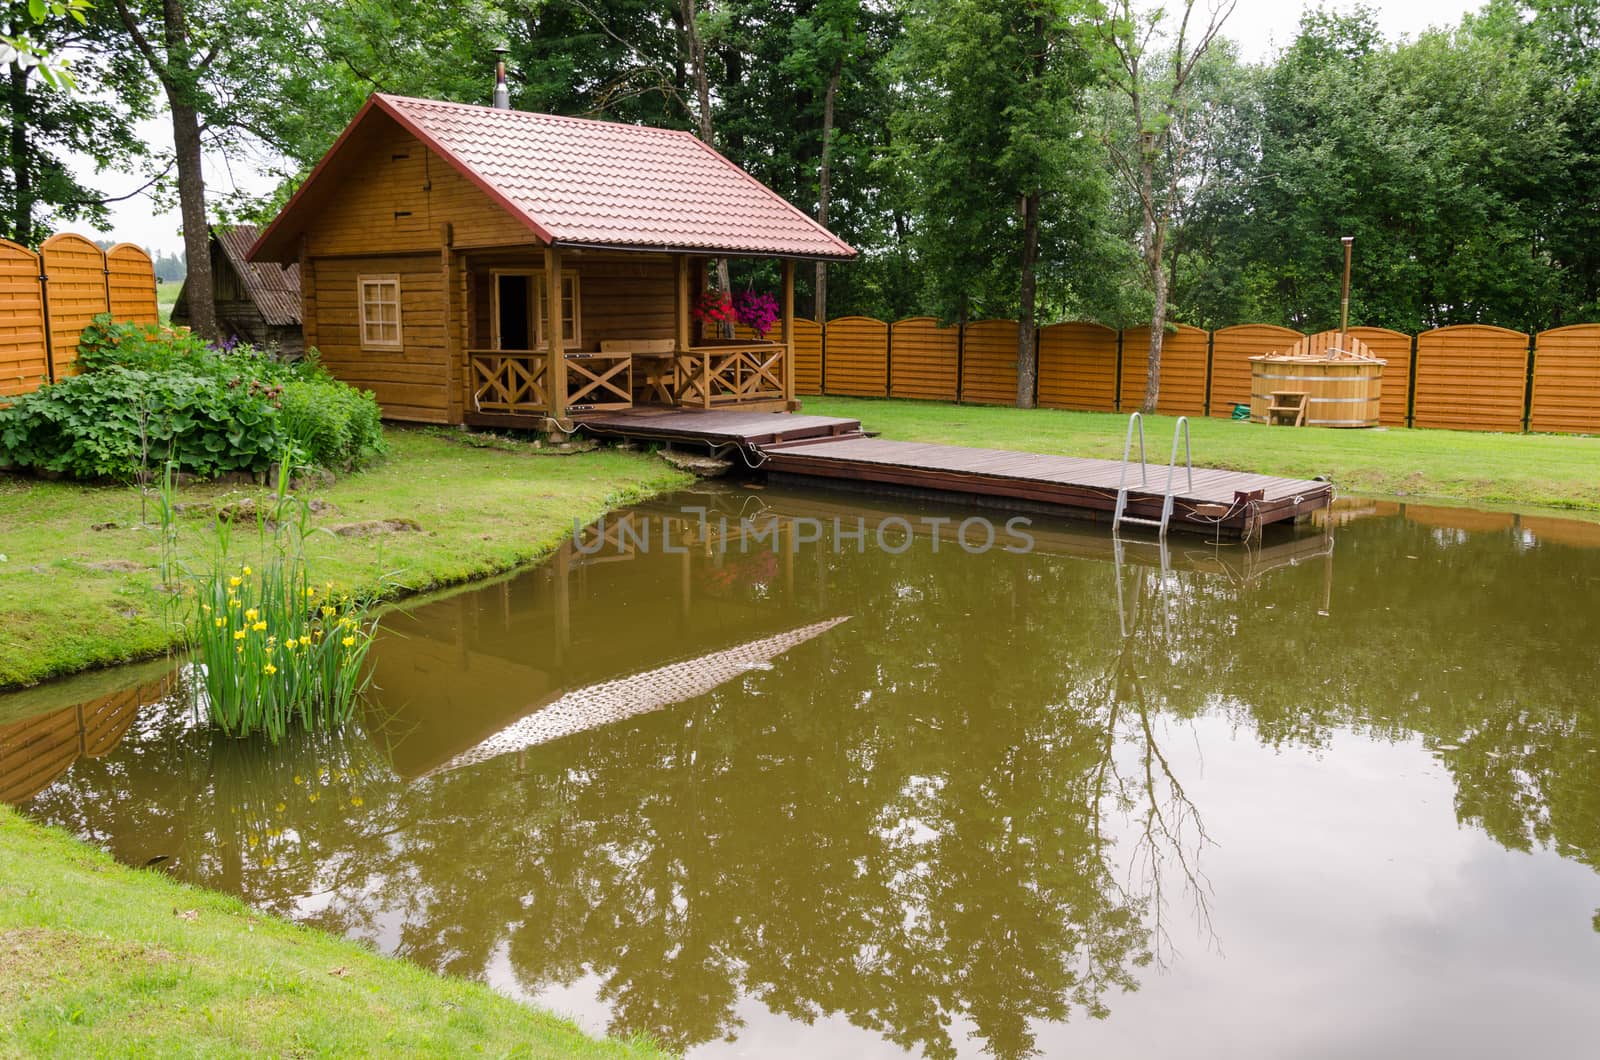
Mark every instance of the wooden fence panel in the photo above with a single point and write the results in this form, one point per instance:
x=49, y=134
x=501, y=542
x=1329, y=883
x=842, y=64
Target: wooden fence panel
x=1566, y=380
x=989, y=362
x=1394, y=347
x=131, y=281
x=923, y=359
x=23, y=362
x=1231, y=350
x=856, y=357
x=1183, y=370
x=1078, y=367
x=1471, y=377
x=807, y=357
x=74, y=295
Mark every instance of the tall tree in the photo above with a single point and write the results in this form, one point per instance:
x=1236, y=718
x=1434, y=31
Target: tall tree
x=219, y=64
x=1149, y=152
x=988, y=127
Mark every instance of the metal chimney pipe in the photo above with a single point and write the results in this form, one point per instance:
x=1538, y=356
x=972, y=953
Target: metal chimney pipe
x=502, y=94
x=1344, y=300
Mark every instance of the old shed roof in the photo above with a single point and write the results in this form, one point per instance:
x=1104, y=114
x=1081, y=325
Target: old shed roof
x=578, y=182
x=273, y=289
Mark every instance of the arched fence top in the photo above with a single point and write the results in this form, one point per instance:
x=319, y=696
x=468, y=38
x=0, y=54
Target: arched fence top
x=1274, y=331
x=856, y=321
x=1078, y=325
x=133, y=254
x=12, y=250
x=1569, y=331
x=1483, y=330
x=70, y=244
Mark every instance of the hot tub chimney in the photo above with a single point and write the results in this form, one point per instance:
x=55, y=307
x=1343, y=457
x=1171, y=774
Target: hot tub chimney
x=502, y=94
x=1344, y=297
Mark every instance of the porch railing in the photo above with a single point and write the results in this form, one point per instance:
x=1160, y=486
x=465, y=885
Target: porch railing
x=729, y=374
x=516, y=382
x=510, y=382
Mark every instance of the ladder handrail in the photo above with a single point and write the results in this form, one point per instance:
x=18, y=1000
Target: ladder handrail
x=1136, y=420
x=1181, y=427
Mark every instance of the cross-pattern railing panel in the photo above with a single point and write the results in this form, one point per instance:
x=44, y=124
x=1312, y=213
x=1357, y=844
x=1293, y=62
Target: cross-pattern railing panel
x=599, y=381
x=730, y=374
x=510, y=382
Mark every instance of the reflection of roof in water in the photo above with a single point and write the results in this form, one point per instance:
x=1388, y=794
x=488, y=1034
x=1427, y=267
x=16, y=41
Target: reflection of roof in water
x=626, y=697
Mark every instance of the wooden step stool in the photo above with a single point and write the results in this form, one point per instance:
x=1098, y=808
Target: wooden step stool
x=1288, y=409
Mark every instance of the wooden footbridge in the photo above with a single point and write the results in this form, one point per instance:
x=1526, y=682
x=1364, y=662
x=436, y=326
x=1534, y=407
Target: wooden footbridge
x=1174, y=495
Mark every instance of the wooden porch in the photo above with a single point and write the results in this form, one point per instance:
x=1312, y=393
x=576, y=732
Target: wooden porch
x=538, y=349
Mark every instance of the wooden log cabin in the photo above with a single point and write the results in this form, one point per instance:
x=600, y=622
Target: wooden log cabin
x=481, y=265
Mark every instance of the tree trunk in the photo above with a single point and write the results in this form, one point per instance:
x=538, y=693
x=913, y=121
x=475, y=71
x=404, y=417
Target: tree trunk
x=191, y=174
x=192, y=207
x=825, y=181
x=689, y=11
x=1027, y=346
x=21, y=160
x=1155, y=238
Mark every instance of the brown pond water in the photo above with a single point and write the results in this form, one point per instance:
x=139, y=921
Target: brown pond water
x=1336, y=796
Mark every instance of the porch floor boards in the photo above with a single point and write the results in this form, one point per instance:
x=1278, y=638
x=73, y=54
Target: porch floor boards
x=825, y=447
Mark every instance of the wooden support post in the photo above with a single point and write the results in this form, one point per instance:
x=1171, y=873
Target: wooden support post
x=681, y=302
x=455, y=354
x=788, y=332
x=556, y=365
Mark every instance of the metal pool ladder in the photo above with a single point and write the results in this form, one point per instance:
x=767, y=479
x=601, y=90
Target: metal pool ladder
x=1121, y=515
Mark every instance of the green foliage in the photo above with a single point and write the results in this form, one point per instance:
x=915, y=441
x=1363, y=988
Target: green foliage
x=116, y=422
x=334, y=425
x=269, y=649
x=150, y=394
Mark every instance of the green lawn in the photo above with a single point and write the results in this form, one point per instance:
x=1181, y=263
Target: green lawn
x=97, y=959
x=78, y=580
x=166, y=295
x=1517, y=470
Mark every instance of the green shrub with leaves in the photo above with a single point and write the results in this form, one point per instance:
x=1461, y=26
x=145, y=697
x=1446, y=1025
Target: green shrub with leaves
x=114, y=422
x=149, y=347
x=148, y=395
x=334, y=425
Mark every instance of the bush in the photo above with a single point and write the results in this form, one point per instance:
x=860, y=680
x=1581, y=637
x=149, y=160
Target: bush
x=149, y=347
x=336, y=426
x=113, y=422
x=150, y=394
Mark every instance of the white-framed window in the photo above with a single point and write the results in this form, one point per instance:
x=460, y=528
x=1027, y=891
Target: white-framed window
x=520, y=313
x=378, y=301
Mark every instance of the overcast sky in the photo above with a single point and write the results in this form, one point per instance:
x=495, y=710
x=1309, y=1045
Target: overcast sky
x=1259, y=26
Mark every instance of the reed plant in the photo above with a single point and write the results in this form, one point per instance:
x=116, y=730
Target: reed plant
x=268, y=648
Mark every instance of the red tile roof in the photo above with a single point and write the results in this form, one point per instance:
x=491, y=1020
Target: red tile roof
x=579, y=182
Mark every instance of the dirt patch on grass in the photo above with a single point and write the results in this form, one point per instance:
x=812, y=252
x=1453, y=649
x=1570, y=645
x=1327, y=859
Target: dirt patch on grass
x=31, y=956
x=116, y=566
x=377, y=526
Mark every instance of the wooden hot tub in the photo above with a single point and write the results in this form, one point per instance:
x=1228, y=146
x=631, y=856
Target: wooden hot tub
x=1342, y=388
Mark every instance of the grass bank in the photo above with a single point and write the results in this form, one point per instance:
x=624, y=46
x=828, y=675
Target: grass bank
x=78, y=577
x=97, y=959
x=1512, y=470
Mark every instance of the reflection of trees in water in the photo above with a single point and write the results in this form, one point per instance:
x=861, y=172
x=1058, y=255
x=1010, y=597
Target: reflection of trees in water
x=958, y=809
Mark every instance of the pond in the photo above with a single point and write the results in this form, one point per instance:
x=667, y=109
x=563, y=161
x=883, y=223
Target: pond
x=1334, y=794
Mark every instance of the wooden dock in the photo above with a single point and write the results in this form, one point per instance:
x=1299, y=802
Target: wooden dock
x=1217, y=502
x=715, y=427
